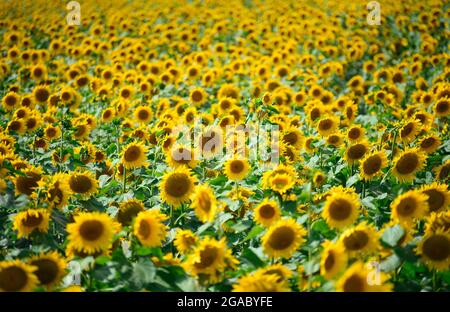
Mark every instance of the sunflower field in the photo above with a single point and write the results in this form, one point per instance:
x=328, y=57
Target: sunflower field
x=238, y=145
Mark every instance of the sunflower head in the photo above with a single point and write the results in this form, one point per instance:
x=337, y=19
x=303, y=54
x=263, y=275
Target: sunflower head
x=283, y=238
x=177, y=186
x=434, y=248
x=267, y=212
x=82, y=183
x=360, y=240
x=333, y=260
x=50, y=268
x=149, y=228
x=341, y=209
x=128, y=210
x=31, y=220
x=17, y=276
x=236, y=169
x=134, y=155
x=407, y=164
x=185, y=241
x=204, y=203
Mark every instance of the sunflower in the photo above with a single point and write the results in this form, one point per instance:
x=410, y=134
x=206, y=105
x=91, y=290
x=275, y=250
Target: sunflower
x=281, y=183
x=50, y=268
x=198, y=96
x=438, y=196
x=92, y=232
x=327, y=126
x=319, y=178
x=293, y=137
x=149, y=228
x=429, y=143
x=134, y=155
x=443, y=171
x=177, y=186
x=436, y=221
x=179, y=155
x=362, y=278
x=434, y=248
x=355, y=133
x=185, y=241
x=83, y=183
x=409, y=130
x=128, y=210
x=407, y=164
x=409, y=206
x=267, y=212
x=360, y=240
x=283, y=238
x=17, y=276
x=356, y=152
x=209, y=259
x=52, y=132
x=442, y=107
x=372, y=165
x=143, y=114
x=41, y=94
x=58, y=191
x=204, y=203
x=236, y=169
x=333, y=260
x=28, y=182
x=341, y=209
x=10, y=101
x=31, y=220
x=260, y=281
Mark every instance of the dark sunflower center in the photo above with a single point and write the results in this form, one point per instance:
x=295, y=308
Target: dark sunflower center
x=407, y=163
x=132, y=153
x=80, y=184
x=267, y=211
x=372, y=165
x=91, y=230
x=281, y=238
x=356, y=241
x=144, y=229
x=143, y=114
x=325, y=124
x=354, y=133
x=236, y=166
x=207, y=257
x=26, y=184
x=42, y=95
x=407, y=207
x=290, y=138
x=204, y=202
x=47, y=270
x=354, y=284
x=340, y=209
x=329, y=261
x=427, y=143
x=435, y=199
x=177, y=185
x=437, y=247
x=197, y=96
x=126, y=215
x=356, y=151
x=13, y=279
x=32, y=220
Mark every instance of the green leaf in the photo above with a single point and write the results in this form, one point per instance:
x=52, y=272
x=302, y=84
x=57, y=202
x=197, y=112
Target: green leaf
x=392, y=235
x=255, y=231
x=352, y=180
x=390, y=264
x=143, y=273
x=102, y=260
x=254, y=256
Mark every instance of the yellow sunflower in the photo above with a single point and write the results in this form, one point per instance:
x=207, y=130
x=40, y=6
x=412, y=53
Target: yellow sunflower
x=360, y=240
x=204, y=203
x=341, y=209
x=177, y=186
x=143, y=114
x=407, y=164
x=372, y=165
x=83, y=183
x=17, y=276
x=260, y=281
x=363, y=278
x=327, y=125
x=438, y=196
x=185, y=241
x=283, y=238
x=149, y=228
x=356, y=152
x=50, y=268
x=267, y=212
x=92, y=232
x=333, y=260
x=134, y=155
x=429, y=143
x=128, y=210
x=31, y=220
x=281, y=183
x=409, y=207
x=434, y=248
x=236, y=169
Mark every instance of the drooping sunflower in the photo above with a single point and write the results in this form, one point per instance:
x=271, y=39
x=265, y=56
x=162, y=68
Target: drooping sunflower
x=17, y=276
x=341, y=209
x=236, y=169
x=31, y=220
x=361, y=278
x=185, y=241
x=409, y=207
x=438, y=196
x=443, y=171
x=409, y=130
x=267, y=212
x=204, y=203
x=372, y=165
x=360, y=240
x=28, y=182
x=83, y=183
x=58, y=191
x=333, y=260
x=293, y=136
x=50, y=268
x=92, y=232
x=434, y=248
x=177, y=186
x=134, y=155
x=407, y=164
x=128, y=210
x=283, y=238
x=149, y=228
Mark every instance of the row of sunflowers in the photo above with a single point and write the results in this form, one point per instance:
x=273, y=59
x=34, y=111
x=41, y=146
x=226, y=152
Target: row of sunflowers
x=135, y=155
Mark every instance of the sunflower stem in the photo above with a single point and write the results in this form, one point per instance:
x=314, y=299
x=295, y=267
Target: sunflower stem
x=124, y=179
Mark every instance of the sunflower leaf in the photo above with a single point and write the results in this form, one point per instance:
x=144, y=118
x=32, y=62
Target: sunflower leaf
x=392, y=235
